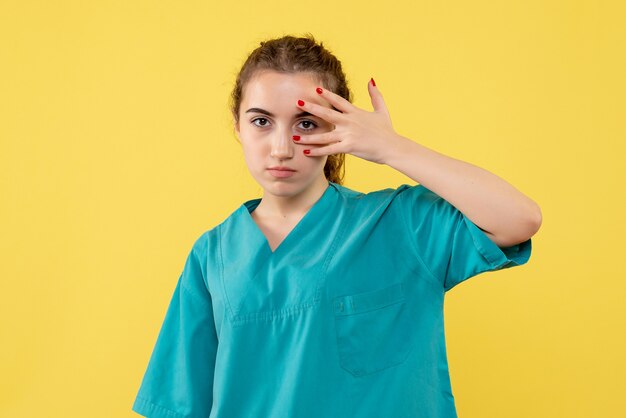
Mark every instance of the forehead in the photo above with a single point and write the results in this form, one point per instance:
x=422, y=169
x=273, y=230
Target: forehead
x=280, y=90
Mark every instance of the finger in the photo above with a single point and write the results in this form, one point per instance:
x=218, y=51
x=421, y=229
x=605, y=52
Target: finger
x=338, y=102
x=329, y=115
x=331, y=149
x=325, y=138
x=377, y=98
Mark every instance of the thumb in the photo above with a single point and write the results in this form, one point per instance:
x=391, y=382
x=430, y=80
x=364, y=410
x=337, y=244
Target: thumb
x=377, y=98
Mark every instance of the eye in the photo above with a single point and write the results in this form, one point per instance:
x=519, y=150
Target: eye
x=260, y=126
x=311, y=123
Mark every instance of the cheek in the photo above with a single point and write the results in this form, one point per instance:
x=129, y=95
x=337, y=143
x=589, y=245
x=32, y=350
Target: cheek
x=252, y=154
x=313, y=163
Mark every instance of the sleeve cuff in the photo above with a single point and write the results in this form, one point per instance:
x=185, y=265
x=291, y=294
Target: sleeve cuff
x=499, y=258
x=148, y=409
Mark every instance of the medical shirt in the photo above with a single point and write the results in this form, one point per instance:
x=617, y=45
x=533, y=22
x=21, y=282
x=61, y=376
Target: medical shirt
x=343, y=319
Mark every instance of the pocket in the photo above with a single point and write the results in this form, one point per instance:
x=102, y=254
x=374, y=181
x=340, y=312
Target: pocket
x=373, y=329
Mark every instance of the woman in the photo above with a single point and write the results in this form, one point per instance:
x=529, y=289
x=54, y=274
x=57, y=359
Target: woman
x=318, y=300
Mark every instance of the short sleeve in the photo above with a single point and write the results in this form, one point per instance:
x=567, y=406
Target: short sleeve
x=178, y=382
x=448, y=243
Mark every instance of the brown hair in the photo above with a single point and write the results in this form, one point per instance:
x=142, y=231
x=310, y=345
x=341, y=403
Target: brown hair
x=290, y=54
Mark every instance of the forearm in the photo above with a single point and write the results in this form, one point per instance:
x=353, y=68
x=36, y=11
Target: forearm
x=505, y=214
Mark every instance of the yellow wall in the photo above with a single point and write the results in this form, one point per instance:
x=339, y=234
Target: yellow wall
x=116, y=153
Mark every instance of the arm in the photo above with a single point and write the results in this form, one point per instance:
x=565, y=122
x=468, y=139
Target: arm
x=507, y=216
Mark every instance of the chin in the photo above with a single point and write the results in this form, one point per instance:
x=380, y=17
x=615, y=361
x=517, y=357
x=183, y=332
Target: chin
x=284, y=187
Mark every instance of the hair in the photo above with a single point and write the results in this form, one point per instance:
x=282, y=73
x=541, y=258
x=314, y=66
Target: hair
x=289, y=54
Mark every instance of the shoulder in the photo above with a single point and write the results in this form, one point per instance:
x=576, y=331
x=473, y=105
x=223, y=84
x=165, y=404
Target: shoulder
x=206, y=242
x=403, y=195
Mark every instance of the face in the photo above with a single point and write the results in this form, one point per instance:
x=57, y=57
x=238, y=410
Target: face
x=268, y=118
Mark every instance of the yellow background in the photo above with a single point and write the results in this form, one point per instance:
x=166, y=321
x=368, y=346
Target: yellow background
x=117, y=152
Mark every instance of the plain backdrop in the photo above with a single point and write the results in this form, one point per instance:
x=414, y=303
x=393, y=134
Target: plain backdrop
x=117, y=152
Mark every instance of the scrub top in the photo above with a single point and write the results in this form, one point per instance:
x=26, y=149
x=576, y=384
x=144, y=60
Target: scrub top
x=343, y=319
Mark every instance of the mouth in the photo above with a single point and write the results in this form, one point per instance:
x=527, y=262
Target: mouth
x=281, y=168
x=281, y=172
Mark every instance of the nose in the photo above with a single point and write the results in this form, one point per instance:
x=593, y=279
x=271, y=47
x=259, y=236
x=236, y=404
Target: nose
x=282, y=144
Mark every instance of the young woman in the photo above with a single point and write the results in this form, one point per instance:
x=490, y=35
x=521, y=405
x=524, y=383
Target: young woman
x=317, y=300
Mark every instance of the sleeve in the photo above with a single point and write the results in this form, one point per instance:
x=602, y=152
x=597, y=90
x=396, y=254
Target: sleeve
x=450, y=245
x=178, y=382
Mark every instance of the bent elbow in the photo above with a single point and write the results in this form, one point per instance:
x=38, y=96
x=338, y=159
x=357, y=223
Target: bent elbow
x=536, y=220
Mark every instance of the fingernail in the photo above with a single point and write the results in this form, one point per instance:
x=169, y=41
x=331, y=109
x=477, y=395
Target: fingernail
x=296, y=137
x=307, y=151
x=373, y=83
x=318, y=90
x=300, y=103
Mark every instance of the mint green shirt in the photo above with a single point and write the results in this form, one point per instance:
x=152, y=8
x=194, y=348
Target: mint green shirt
x=343, y=319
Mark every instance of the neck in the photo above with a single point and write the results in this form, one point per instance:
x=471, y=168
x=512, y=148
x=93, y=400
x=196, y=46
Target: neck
x=288, y=206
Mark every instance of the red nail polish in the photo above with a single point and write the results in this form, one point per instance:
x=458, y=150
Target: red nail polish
x=373, y=83
x=300, y=103
x=318, y=90
x=296, y=137
x=307, y=151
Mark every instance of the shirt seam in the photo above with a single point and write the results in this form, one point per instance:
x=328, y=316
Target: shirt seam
x=491, y=258
x=159, y=407
x=192, y=292
x=438, y=282
x=455, y=234
x=222, y=285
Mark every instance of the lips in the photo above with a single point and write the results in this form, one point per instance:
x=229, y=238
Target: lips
x=281, y=172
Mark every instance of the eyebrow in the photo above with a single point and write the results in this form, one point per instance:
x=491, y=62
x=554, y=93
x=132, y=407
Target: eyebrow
x=265, y=112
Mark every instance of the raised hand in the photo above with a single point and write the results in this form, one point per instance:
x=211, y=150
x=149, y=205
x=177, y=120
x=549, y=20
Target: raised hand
x=359, y=132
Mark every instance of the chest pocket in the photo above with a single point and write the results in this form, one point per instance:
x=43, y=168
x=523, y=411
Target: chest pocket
x=373, y=329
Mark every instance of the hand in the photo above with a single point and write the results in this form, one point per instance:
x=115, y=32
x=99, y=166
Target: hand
x=367, y=135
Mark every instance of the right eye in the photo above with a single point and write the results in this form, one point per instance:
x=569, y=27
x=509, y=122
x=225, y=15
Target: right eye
x=260, y=126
